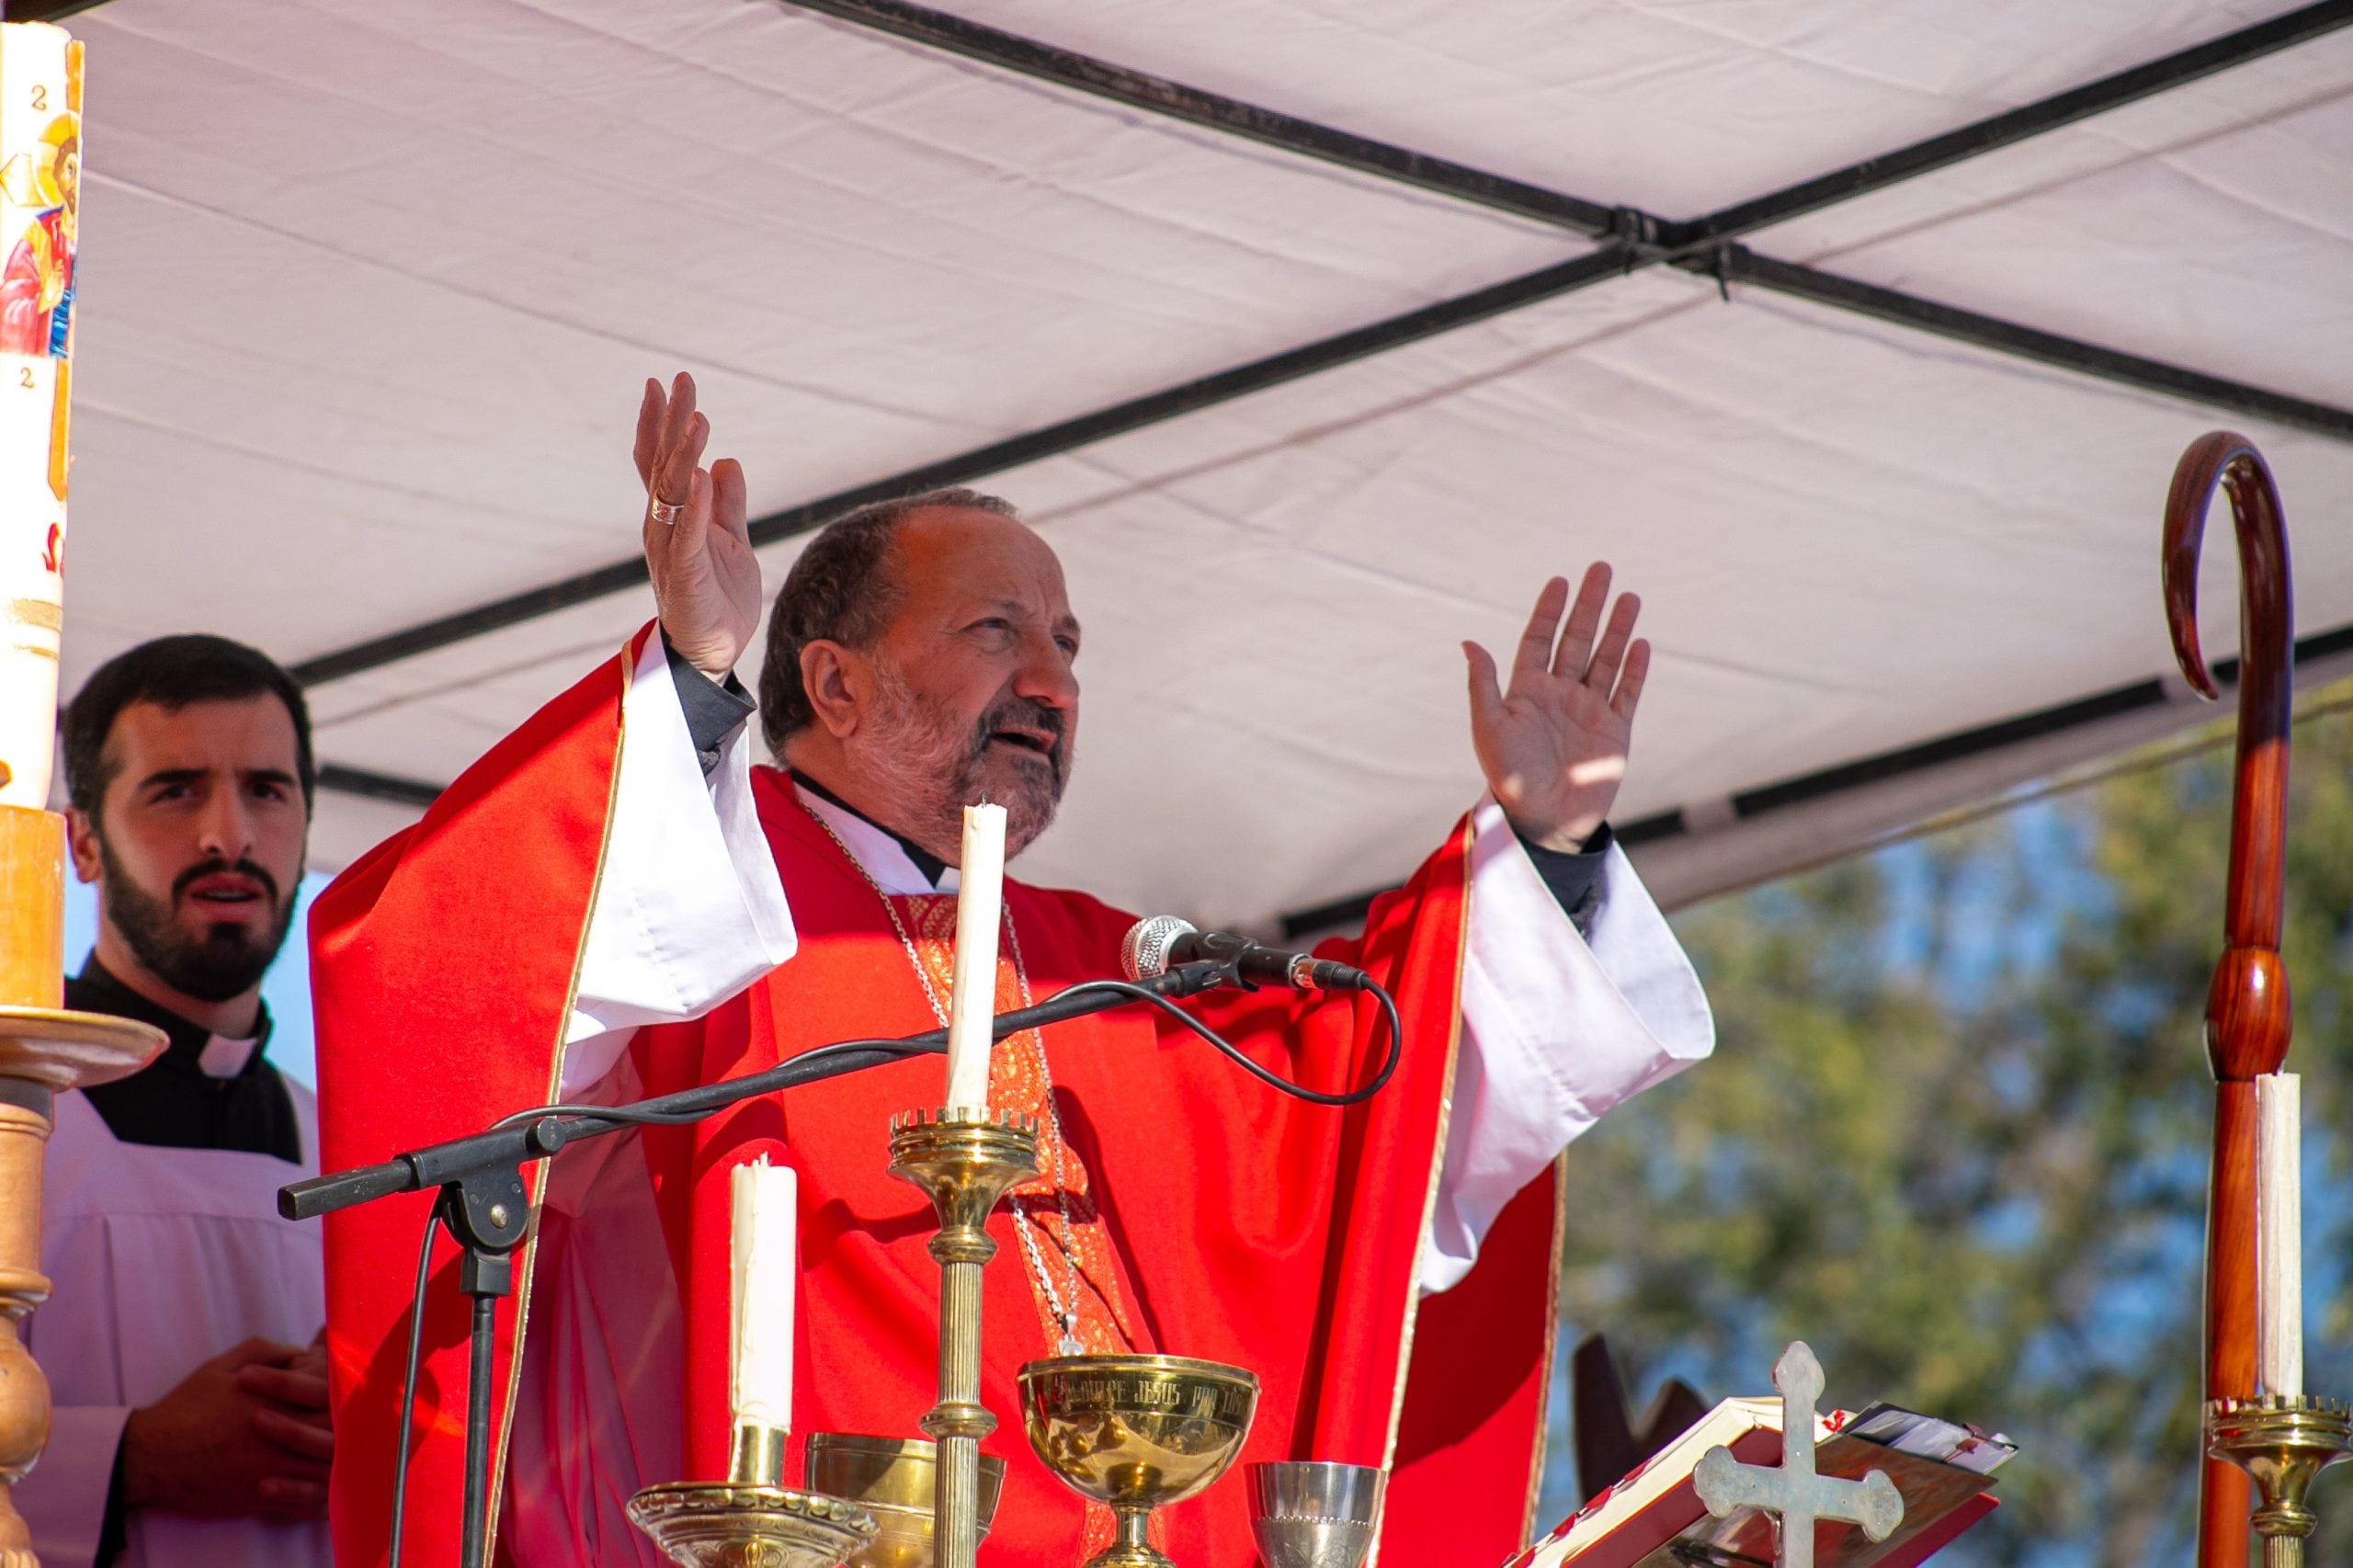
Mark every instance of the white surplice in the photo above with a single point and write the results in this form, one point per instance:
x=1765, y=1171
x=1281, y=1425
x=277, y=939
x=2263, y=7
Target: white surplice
x=159, y=1259
x=1557, y=1027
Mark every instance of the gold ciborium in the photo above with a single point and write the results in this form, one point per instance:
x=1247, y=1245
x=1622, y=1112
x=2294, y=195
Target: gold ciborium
x=892, y=1479
x=1137, y=1432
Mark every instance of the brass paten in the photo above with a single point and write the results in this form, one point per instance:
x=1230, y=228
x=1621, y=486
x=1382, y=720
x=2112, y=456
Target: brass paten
x=2283, y=1443
x=892, y=1479
x=965, y=1165
x=1137, y=1432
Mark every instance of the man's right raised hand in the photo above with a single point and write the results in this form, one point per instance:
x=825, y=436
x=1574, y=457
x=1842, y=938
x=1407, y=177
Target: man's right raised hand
x=706, y=579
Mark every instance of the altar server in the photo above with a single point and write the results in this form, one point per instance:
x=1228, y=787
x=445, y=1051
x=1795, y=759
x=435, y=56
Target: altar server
x=190, y=1423
x=615, y=902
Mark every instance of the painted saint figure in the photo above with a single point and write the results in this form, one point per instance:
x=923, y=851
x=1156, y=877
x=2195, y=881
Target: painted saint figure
x=37, y=286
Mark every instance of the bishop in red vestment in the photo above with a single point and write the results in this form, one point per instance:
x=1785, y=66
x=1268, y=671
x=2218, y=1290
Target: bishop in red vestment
x=664, y=915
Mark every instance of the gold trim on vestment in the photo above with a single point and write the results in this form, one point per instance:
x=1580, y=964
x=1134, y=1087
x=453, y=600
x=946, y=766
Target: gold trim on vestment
x=1551, y=1343
x=538, y=1179
x=1463, y=834
x=43, y=613
x=1101, y=1315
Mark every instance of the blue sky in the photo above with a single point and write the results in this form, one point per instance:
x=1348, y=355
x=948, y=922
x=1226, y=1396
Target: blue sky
x=287, y=987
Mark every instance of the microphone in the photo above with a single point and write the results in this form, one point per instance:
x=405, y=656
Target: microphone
x=1156, y=945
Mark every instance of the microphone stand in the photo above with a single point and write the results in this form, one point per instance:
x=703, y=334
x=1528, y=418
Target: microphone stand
x=484, y=1206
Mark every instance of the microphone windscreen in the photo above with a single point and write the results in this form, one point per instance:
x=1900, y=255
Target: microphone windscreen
x=1143, y=952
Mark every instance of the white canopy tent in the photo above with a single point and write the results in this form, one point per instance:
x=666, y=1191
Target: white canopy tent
x=369, y=292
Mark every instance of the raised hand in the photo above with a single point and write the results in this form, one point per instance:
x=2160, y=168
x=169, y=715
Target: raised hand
x=706, y=579
x=1553, y=743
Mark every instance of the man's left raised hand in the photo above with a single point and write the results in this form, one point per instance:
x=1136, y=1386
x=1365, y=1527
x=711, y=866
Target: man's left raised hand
x=1553, y=743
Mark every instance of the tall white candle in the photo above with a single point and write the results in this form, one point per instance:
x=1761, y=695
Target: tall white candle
x=765, y=1279
x=41, y=172
x=980, y=904
x=2279, y=1238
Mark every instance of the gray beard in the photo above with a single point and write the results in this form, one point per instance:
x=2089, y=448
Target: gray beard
x=939, y=764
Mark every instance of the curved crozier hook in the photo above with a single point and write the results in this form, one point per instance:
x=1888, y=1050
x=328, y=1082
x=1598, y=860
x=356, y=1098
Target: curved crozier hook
x=2247, y=1014
x=2225, y=457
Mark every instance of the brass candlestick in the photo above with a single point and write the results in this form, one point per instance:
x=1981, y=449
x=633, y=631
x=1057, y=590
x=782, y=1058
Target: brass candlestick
x=43, y=1049
x=964, y=1164
x=2283, y=1443
x=749, y=1519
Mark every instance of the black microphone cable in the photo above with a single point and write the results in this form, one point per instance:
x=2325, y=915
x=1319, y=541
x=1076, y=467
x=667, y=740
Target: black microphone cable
x=1267, y=1076
x=649, y=1117
x=408, y=1379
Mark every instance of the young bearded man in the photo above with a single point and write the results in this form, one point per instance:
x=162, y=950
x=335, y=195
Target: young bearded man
x=190, y=1400
x=660, y=913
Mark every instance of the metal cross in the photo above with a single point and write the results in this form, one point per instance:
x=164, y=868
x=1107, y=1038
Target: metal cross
x=1793, y=1492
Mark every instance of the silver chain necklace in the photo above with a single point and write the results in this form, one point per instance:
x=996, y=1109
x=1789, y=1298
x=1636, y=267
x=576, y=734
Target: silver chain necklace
x=1025, y=1224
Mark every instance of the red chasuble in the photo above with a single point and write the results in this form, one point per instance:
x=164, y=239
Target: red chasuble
x=1183, y=1207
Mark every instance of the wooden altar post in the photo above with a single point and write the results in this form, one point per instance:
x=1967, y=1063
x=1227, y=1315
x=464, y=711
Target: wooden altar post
x=2247, y=1018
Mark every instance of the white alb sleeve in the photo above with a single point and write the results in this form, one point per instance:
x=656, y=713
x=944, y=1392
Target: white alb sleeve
x=1557, y=1027
x=690, y=909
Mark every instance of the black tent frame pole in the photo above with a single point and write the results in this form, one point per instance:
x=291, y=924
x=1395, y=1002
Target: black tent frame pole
x=1633, y=239
x=2017, y=125
x=618, y=576
x=1215, y=111
x=1921, y=756
x=1739, y=264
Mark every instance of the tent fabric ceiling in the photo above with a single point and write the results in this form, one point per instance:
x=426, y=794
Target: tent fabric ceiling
x=367, y=292
x=1667, y=106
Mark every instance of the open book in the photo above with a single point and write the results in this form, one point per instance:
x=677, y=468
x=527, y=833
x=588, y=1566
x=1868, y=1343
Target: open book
x=1653, y=1518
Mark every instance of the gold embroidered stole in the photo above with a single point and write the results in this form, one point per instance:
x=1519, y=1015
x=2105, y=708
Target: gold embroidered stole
x=1061, y=1219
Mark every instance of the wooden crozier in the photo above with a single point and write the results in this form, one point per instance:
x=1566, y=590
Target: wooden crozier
x=2246, y=1007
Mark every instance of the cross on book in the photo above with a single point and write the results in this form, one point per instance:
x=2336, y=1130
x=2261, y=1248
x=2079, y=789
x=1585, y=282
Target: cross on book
x=1793, y=1492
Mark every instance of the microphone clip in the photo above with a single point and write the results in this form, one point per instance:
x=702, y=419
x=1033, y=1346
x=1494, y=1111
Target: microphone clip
x=1200, y=975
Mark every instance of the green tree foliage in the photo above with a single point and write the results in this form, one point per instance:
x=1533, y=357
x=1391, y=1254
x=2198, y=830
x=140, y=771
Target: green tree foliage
x=1955, y=1136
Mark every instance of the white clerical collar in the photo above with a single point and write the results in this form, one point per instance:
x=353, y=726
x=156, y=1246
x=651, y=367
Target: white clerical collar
x=225, y=1058
x=883, y=858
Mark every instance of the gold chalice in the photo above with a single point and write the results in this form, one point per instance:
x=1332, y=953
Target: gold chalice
x=892, y=1478
x=1137, y=1432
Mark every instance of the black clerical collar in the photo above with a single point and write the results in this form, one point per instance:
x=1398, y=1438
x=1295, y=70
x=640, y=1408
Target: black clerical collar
x=95, y=990
x=931, y=866
x=173, y=1102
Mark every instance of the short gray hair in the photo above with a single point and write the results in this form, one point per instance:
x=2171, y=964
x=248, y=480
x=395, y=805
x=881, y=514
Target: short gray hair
x=845, y=589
